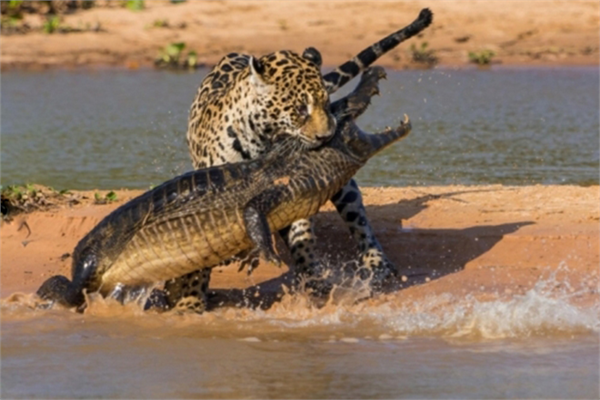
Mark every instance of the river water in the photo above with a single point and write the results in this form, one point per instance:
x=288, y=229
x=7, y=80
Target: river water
x=536, y=345
x=113, y=129
x=110, y=129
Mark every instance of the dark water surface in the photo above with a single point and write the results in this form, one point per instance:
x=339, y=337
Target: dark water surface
x=111, y=129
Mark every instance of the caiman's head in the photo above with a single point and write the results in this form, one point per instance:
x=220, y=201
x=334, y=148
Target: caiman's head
x=361, y=145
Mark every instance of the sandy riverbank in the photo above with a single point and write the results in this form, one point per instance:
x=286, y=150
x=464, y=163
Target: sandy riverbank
x=478, y=240
x=536, y=33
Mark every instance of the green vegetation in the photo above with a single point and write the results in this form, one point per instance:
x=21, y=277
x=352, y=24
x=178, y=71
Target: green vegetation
x=51, y=11
x=11, y=21
x=422, y=55
x=26, y=198
x=12, y=9
x=135, y=5
x=172, y=52
x=108, y=197
x=16, y=8
x=483, y=57
x=17, y=192
x=171, y=57
x=160, y=23
x=51, y=25
x=192, y=60
x=29, y=197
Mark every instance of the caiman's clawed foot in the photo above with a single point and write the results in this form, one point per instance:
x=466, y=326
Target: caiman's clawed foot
x=59, y=289
x=252, y=258
x=270, y=256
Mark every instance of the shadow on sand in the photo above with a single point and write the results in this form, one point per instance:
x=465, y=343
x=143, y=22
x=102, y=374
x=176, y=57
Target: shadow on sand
x=420, y=255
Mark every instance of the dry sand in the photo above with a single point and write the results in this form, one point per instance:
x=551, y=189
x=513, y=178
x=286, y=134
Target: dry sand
x=478, y=240
x=520, y=32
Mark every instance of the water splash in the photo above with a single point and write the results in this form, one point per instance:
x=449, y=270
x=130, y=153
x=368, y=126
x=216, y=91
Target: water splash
x=546, y=309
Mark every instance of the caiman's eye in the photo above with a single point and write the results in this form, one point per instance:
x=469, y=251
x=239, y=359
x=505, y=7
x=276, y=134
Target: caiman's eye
x=302, y=111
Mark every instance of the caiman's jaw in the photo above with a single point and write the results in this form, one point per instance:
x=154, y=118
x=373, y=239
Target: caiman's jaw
x=366, y=145
x=59, y=289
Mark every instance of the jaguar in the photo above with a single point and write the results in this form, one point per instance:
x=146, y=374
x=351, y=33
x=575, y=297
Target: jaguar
x=244, y=103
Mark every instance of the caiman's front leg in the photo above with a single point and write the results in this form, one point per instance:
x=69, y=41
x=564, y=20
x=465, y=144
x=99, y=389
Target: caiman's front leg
x=257, y=225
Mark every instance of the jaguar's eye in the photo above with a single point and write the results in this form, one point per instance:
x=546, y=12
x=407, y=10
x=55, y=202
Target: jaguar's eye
x=302, y=111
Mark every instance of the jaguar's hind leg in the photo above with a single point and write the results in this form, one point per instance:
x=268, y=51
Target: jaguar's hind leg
x=188, y=292
x=309, y=273
x=374, y=263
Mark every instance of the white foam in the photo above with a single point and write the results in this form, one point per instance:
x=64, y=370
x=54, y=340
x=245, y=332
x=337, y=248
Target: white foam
x=541, y=311
x=549, y=308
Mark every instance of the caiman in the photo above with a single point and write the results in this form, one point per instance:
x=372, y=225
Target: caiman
x=204, y=217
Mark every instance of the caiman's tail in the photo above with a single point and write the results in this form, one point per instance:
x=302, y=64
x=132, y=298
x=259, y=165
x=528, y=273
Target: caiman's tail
x=365, y=145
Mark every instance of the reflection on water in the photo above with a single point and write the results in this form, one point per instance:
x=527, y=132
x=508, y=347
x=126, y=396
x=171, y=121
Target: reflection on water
x=111, y=129
x=533, y=345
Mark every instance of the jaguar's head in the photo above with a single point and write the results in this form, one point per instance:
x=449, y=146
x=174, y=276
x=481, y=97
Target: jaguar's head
x=291, y=96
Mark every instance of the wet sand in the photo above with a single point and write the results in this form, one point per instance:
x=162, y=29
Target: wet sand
x=520, y=33
x=484, y=241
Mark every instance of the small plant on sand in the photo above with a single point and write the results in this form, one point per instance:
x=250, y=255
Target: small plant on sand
x=19, y=192
x=171, y=57
x=108, y=197
x=283, y=25
x=423, y=55
x=160, y=23
x=192, y=60
x=482, y=58
x=172, y=52
x=26, y=198
x=12, y=8
x=11, y=21
x=52, y=24
x=135, y=5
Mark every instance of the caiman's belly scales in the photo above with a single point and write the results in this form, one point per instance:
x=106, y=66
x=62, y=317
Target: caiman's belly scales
x=185, y=244
x=178, y=246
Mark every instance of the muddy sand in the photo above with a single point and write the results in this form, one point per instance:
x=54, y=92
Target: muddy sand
x=520, y=33
x=488, y=242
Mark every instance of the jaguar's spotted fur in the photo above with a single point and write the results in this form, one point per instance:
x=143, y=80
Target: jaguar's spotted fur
x=244, y=102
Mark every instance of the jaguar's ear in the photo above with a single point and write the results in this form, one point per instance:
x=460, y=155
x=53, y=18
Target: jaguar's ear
x=257, y=69
x=313, y=55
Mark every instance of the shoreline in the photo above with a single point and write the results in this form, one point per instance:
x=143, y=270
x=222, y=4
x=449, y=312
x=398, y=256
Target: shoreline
x=484, y=240
x=34, y=67
x=541, y=33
